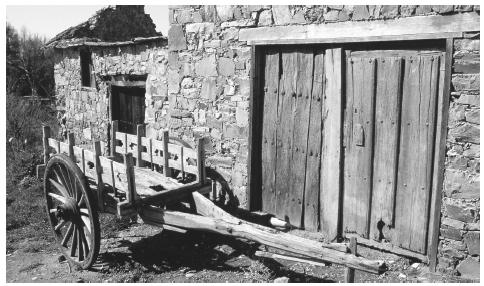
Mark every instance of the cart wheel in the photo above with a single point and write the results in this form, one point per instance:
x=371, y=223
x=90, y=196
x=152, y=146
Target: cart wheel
x=72, y=211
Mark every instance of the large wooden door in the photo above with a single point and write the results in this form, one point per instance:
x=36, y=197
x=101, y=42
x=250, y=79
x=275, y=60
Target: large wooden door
x=300, y=136
x=128, y=107
x=390, y=113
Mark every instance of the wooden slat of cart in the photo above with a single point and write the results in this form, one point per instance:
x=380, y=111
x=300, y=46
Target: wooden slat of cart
x=313, y=163
x=385, y=161
x=330, y=185
x=284, y=136
x=269, y=128
x=416, y=151
x=300, y=134
x=358, y=156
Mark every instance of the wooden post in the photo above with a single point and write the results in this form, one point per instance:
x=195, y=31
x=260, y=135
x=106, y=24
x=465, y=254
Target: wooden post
x=150, y=150
x=214, y=190
x=200, y=161
x=166, y=155
x=46, y=136
x=131, y=196
x=350, y=272
x=71, y=142
x=114, y=129
x=99, y=170
x=140, y=132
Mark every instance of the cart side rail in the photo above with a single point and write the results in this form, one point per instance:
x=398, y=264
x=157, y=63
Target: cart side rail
x=152, y=152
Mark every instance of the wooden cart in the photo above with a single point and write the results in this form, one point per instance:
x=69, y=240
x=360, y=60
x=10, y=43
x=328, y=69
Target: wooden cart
x=151, y=179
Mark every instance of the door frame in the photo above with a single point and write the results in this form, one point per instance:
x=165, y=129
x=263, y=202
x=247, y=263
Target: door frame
x=254, y=191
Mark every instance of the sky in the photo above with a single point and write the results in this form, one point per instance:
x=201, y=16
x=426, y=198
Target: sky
x=49, y=20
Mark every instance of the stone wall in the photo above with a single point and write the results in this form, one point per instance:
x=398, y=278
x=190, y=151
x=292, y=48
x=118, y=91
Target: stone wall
x=85, y=110
x=209, y=79
x=460, y=231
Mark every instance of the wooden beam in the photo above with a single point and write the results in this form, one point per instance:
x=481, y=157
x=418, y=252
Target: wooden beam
x=266, y=254
x=71, y=142
x=439, y=156
x=166, y=155
x=350, y=272
x=140, y=132
x=131, y=196
x=99, y=179
x=45, y=140
x=175, y=194
x=114, y=129
x=263, y=235
x=254, y=192
x=200, y=160
x=408, y=28
x=389, y=248
x=128, y=83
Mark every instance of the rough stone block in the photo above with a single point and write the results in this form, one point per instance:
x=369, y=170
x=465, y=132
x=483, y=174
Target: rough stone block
x=465, y=133
x=173, y=81
x=472, y=239
x=453, y=223
x=233, y=131
x=206, y=67
x=239, y=23
x=451, y=233
x=242, y=117
x=473, y=116
x=452, y=253
x=407, y=10
x=231, y=33
x=197, y=17
x=389, y=11
x=225, y=12
x=463, y=8
x=226, y=67
x=469, y=268
x=472, y=150
x=361, y=12
x=469, y=99
x=209, y=89
x=281, y=14
x=176, y=38
x=200, y=28
x=184, y=16
x=443, y=9
x=467, y=44
x=375, y=11
x=423, y=9
x=461, y=66
x=265, y=18
x=460, y=212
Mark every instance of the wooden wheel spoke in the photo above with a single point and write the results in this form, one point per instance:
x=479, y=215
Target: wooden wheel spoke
x=85, y=242
x=81, y=199
x=74, y=243
x=81, y=246
x=60, y=225
x=58, y=197
x=69, y=182
x=68, y=235
x=84, y=211
x=87, y=223
x=60, y=176
x=61, y=188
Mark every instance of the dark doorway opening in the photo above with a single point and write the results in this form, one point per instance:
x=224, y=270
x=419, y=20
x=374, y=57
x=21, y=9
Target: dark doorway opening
x=128, y=107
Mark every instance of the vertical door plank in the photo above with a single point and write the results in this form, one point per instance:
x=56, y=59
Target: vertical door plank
x=359, y=149
x=300, y=135
x=284, y=135
x=330, y=185
x=416, y=151
x=387, y=123
x=269, y=127
x=313, y=163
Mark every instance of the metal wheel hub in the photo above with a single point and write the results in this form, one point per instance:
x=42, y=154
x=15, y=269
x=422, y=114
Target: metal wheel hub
x=68, y=211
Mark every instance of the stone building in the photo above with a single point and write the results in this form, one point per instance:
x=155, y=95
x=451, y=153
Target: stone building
x=215, y=76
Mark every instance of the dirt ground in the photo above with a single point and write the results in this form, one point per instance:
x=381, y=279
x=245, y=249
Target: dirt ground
x=141, y=253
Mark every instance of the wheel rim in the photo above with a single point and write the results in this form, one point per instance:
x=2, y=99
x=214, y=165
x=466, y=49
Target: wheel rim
x=70, y=212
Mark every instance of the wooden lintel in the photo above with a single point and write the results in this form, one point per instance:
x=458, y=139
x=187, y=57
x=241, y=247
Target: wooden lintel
x=408, y=28
x=128, y=83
